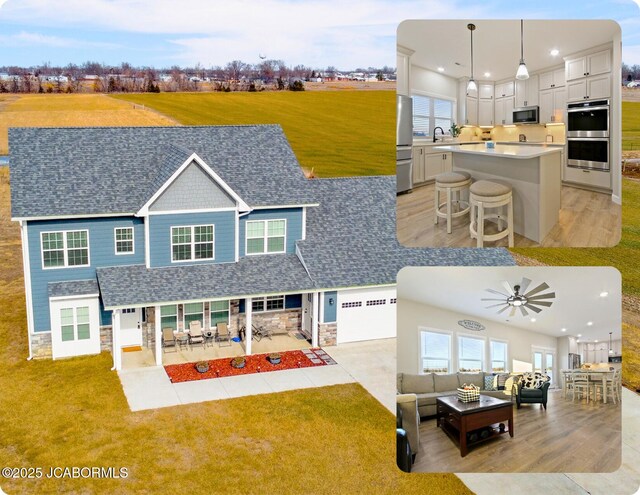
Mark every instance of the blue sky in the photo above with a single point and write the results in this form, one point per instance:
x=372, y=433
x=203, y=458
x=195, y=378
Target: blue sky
x=315, y=33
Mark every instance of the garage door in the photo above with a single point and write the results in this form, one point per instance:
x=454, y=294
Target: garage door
x=366, y=314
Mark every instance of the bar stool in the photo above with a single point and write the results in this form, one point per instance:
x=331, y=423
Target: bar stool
x=486, y=194
x=449, y=183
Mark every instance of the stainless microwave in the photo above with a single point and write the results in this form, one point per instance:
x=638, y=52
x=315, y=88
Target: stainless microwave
x=526, y=115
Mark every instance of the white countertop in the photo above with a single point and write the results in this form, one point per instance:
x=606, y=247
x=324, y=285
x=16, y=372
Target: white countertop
x=429, y=142
x=501, y=150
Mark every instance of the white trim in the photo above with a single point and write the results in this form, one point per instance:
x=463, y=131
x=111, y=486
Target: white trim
x=321, y=308
x=451, y=348
x=270, y=207
x=65, y=249
x=133, y=241
x=69, y=217
x=70, y=298
x=24, y=237
x=185, y=212
x=304, y=223
x=616, y=199
x=193, y=243
x=115, y=339
x=147, y=242
x=237, y=236
x=265, y=237
x=314, y=322
x=193, y=158
x=248, y=335
x=158, y=331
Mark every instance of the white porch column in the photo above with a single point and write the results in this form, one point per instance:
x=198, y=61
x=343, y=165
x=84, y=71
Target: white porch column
x=115, y=345
x=248, y=336
x=158, y=337
x=315, y=308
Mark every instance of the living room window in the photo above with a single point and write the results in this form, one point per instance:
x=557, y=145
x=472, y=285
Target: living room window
x=435, y=352
x=470, y=354
x=498, y=351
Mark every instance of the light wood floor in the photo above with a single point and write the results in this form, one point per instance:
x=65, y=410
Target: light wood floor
x=566, y=438
x=587, y=219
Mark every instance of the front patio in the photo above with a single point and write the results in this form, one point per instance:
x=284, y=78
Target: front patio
x=192, y=353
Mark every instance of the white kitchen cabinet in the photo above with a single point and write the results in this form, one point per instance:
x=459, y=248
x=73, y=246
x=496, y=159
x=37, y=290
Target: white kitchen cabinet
x=589, y=88
x=505, y=89
x=485, y=91
x=485, y=112
x=552, y=79
x=417, y=163
x=526, y=92
x=588, y=65
x=428, y=164
x=471, y=111
x=552, y=105
x=589, y=178
x=504, y=111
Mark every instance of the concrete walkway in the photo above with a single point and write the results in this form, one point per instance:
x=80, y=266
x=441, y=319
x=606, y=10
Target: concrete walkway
x=150, y=388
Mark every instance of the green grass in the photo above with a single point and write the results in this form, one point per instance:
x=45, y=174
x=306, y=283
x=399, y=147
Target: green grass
x=630, y=125
x=335, y=133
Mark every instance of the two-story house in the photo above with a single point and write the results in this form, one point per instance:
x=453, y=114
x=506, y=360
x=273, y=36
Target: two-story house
x=126, y=231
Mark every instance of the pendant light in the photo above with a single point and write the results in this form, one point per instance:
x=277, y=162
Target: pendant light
x=522, y=73
x=471, y=86
x=610, y=348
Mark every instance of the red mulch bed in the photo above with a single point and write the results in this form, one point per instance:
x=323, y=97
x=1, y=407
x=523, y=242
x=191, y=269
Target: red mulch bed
x=256, y=363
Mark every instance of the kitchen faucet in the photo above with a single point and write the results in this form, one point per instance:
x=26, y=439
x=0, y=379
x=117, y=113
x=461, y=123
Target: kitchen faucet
x=434, y=132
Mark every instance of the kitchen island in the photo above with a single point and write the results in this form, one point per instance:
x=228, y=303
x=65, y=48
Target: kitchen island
x=534, y=172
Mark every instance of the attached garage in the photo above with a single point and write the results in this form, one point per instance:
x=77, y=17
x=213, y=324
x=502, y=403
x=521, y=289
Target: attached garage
x=366, y=314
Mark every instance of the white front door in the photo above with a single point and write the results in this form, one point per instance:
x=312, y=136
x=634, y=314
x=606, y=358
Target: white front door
x=75, y=326
x=307, y=314
x=131, y=327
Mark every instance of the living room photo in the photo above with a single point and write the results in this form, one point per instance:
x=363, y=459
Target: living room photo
x=509, y=369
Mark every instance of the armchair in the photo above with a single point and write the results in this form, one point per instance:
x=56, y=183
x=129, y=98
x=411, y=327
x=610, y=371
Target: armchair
x=532, y=395
x=409, y=420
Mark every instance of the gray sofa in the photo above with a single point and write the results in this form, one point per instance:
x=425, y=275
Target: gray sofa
x=430, y=386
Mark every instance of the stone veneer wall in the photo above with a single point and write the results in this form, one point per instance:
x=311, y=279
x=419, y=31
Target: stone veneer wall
x=280, y=322
x=41, y=345
x=106, y=338
x=327, y=334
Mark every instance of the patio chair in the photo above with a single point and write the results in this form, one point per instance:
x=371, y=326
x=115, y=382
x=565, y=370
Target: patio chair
x=223, y=334
x=195, y=333
x=168, y=339
x=260, y=332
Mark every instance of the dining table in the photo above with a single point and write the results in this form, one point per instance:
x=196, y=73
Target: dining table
x=594, y=375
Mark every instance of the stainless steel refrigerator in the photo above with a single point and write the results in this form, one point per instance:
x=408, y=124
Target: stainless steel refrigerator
x=404, y=142
x=574, y=361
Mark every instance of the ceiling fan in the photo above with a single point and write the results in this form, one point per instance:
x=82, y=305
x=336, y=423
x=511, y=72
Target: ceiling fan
x=518, y=298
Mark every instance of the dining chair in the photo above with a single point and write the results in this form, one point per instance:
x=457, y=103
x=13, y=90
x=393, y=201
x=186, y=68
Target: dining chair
x=581, y=384
x=603, y=385
x=567, y=382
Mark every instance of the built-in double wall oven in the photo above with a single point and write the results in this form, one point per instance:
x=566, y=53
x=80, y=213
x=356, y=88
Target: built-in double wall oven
x=588, y=135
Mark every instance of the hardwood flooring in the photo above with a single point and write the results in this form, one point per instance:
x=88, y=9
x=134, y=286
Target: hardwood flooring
x=587, y=219
x=566, y=438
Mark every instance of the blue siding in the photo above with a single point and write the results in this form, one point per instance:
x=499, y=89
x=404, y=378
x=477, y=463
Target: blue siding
x=291, y=301
x=330, y=310
x=294, y=225
x=160, y=236
x=101, y=253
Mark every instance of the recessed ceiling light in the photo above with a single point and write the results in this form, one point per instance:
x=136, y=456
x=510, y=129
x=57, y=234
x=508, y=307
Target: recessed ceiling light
x=604, y=293
x=440, y=69
x=596, y=341
x=487, y=74
x=578, y=341
x=579, y=335
x=564, y=329
x=554, y=52
x=533, y=320
x=589, y=323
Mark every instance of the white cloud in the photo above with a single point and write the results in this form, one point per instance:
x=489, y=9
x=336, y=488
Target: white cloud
x=24, y=38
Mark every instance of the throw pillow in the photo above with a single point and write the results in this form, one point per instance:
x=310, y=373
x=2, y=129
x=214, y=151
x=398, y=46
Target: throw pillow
x=502, y=379
x=529, y=380
x=488, y=382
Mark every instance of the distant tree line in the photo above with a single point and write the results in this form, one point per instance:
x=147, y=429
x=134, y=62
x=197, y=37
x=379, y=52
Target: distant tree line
x=236, y=75
x=630, y=73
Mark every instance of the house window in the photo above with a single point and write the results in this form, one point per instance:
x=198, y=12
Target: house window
x=470, y=354
x=193, y=312
x=64, y=249
x=266, y=236
x=429, y=113
x=192, y=243
x=74, y=323
x=219, y=312
x=269, y=303
x=169, y=316
x=498, y=355
x=124, y=240
x=435, y=349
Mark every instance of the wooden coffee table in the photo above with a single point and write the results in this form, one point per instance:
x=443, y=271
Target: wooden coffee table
x=459, y=418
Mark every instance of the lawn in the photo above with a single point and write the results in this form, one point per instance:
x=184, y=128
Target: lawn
x=335, y=133
x=630, y=125
x=61, y=110
x=73, y=412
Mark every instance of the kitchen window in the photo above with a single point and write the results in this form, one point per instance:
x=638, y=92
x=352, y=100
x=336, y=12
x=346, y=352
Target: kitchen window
x=430, y=112
x=124, y=240
x=435, y=352
x=498, y=351
x=470, y=354
x=65, y=249
x=269, y=303
x=266, y=236
x=192, y=243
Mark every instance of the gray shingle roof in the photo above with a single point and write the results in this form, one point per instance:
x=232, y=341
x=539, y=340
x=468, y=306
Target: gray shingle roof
x=135, y=284
x=351, y=237
x=85, y=171
x=73, y=288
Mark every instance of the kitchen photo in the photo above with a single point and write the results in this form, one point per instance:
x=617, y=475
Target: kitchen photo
x=509, y=133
